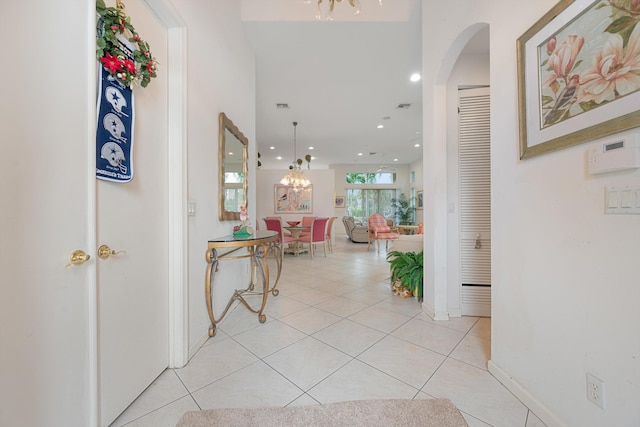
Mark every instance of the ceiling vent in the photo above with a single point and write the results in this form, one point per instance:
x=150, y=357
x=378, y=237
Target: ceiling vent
x=403, y=106
x=282, y=106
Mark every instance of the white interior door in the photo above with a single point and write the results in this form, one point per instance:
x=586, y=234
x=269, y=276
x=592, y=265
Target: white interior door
x=132, y=219
x=475, y=201
x=43, y=218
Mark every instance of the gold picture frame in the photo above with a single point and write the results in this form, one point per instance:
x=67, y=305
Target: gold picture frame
x=560, y=64
x=339, y=202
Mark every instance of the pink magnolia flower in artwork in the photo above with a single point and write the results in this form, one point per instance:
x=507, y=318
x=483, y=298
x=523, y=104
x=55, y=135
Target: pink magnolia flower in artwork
x=551, y=45
x=563, y=57
x=615, y=70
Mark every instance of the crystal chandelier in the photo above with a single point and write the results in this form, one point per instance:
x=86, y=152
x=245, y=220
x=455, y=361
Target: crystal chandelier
x=295, y=177
x=353, y=3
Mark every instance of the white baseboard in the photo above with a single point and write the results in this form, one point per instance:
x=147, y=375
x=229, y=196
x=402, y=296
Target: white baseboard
x=455, y=313
x=433, y=315
x=541, y=411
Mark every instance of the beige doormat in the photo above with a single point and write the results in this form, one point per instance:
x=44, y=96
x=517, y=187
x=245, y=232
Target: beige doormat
x=392, y=413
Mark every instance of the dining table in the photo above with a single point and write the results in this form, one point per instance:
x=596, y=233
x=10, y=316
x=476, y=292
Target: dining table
x=296, y=247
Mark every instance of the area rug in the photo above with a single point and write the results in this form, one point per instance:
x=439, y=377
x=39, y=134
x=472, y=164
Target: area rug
x=393, y=412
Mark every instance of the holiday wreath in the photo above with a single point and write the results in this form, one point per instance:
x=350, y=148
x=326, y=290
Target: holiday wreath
x=112, y=22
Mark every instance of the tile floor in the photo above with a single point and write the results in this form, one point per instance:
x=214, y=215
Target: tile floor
x=335, y=332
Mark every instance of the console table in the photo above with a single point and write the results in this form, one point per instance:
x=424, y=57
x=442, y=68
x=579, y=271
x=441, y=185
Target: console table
x=258, y=246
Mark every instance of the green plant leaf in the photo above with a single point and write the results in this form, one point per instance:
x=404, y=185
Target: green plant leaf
x=408, y=269
x=620, y=24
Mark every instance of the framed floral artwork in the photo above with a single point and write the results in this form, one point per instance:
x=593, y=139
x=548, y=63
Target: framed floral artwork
x=339, y=202
x=578, y=74
x=293, y=200
x=419, y=199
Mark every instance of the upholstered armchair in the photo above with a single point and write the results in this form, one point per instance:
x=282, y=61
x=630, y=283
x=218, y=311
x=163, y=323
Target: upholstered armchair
x=357, y=232
x=379, y=230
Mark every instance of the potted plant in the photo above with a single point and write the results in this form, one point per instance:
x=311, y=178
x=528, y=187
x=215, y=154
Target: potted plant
x=407, y=272
x=405, y=208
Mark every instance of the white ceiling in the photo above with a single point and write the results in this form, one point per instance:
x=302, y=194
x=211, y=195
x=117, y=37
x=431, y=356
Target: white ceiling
x=340, y=79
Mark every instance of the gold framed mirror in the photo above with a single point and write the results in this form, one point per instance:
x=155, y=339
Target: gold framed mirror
x=232, y=170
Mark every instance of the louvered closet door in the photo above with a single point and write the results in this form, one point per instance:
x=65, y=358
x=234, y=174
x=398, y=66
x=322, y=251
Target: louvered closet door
x=475, y=201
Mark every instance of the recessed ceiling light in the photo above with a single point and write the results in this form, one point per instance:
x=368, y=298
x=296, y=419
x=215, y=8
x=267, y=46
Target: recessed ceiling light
x=417, y=145
x=272, y=148
x=415, y=77
x=380, y=126
x=360, y=154
x=395, y=160
x=279, y=158
x=311, y=148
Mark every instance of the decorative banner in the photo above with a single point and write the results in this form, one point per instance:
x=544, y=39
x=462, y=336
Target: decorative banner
x=114, y=137
x=124, y=60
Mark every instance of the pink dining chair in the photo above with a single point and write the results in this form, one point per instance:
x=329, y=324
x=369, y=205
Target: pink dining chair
x=275, y=224
x=379, y=230
x=307, y=221
x=318, y=235
x=284, y=230
x=329, y=237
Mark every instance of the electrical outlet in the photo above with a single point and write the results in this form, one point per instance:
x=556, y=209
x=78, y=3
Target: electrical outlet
x=595, y=391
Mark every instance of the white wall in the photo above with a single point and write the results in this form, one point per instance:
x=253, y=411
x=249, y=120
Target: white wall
x=565, y=283
x=221, y=78
x=418, y=184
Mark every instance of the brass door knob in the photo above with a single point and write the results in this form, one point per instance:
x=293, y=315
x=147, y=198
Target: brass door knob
x=77, y=257
x=105, y=252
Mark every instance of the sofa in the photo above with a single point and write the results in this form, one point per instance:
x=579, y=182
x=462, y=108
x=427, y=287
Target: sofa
x=357, y=232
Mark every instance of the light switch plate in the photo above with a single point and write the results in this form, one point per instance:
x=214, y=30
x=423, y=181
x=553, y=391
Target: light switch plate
x=622, y=200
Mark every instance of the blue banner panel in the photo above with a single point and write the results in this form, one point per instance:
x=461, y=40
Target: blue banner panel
x=114, y=135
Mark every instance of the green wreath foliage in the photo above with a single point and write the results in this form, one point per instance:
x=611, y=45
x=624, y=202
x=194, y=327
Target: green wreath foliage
x=111, y=23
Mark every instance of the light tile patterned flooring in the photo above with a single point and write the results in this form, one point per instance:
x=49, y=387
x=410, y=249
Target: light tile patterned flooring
x=335, y=332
